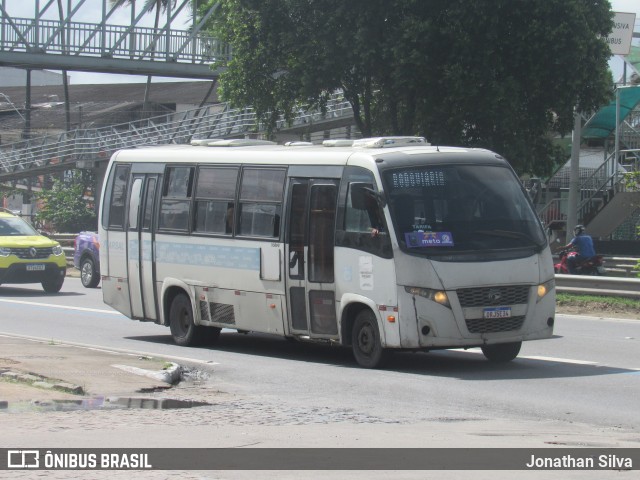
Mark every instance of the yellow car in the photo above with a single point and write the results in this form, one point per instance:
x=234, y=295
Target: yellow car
x=26, y=256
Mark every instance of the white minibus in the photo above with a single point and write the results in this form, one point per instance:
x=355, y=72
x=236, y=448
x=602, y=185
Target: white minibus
x=379, y=244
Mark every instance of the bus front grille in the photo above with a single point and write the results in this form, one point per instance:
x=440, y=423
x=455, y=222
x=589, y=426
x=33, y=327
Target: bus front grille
x=488, y=296
x=494, y=325
x=217, y=312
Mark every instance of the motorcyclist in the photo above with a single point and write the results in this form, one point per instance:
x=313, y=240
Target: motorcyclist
x=583, y=244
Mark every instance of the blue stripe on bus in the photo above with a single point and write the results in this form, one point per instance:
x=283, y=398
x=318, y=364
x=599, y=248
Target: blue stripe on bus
x=203, y=255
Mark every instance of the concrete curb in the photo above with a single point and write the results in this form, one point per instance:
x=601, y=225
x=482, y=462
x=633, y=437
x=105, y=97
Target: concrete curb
x=154, y=403
x=170, y=375
x=41, y=382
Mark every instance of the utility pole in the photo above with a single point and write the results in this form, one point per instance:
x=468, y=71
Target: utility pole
x=574, y=178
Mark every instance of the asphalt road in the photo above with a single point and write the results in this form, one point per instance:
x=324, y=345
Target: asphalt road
x=588, y=373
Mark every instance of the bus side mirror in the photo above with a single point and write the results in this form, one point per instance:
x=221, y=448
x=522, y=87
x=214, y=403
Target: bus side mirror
x=362, y=194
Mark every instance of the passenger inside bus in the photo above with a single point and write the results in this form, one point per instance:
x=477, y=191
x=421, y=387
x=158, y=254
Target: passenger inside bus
x=228, y=221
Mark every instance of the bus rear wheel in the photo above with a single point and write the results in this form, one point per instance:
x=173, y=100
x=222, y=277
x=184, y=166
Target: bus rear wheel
x=184, y=332
x=366, y=343
x=501, y=352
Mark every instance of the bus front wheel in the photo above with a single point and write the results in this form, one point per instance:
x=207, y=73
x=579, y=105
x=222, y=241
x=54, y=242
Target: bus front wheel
x=183, y=330
x=366, y=343
x=501, y=352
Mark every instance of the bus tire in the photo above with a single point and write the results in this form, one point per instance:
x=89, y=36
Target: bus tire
x=501, y=352
x=184, y=332
x=366, y=343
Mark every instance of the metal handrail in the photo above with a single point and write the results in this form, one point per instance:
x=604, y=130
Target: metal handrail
x=551, y=212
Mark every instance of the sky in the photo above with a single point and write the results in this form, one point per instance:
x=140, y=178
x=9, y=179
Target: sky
x=90, y=12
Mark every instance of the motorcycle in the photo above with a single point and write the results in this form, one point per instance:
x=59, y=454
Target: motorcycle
x=589, y=266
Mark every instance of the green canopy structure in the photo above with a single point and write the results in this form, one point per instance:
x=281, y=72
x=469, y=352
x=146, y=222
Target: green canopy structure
x=603, y=123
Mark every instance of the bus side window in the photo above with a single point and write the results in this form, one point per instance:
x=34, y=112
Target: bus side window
x=176, y=199
x=363, y=213
x=215, y=200
x=261, y=202
x=361, y=223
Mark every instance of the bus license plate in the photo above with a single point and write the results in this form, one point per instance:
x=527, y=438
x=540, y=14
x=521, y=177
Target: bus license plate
x=37, y=267
x=499, y=312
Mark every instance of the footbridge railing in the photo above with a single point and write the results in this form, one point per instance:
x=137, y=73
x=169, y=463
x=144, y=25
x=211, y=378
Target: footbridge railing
x=59, y=152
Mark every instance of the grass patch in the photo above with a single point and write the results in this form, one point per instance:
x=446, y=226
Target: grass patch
x=568, y=299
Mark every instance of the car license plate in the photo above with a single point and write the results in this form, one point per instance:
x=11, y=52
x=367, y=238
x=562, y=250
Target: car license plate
x=36, y=267
x=499, y=312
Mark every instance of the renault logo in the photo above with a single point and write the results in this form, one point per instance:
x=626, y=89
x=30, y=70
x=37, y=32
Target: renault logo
x=33, y=252
x=494, y=296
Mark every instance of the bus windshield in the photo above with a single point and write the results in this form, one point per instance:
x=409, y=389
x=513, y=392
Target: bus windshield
x=460, y=210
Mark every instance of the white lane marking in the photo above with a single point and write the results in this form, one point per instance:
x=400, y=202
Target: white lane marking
x=65, y=307
x=544, y=359
x=99, y=348
x=578, y=362
x=559, y=360
x=564, y=360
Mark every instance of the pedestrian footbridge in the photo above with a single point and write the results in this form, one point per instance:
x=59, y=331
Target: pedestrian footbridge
x=85, y=147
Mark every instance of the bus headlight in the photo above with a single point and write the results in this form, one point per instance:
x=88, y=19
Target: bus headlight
x=438, y=296
x=5, y=252
x=57, y=250
x=545, y=288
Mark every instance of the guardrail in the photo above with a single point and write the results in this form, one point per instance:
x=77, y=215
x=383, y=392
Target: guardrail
x=601, y=286
x=616, y=266
x=620, y=266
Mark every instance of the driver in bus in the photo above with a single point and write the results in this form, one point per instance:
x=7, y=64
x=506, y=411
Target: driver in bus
x=374, y=212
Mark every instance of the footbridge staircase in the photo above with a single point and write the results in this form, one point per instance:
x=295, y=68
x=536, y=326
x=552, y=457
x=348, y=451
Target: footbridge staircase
x=609, y=191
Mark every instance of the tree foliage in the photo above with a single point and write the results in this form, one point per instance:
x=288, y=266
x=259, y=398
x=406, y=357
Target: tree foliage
x=499, y=74
x=65, y=207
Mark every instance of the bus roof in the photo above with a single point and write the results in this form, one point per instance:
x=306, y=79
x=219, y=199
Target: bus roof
x=336, y=153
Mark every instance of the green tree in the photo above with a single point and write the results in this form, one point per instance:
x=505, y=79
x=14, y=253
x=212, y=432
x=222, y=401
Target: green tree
x=499, y=74
x=65, y=207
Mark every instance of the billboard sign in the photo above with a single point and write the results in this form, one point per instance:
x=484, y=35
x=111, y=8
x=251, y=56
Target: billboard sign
x=619, y=39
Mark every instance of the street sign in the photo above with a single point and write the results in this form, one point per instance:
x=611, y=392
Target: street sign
x=619, y=39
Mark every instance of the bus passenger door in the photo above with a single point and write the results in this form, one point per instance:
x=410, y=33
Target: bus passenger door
x=140, y=246
x=310, y=244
